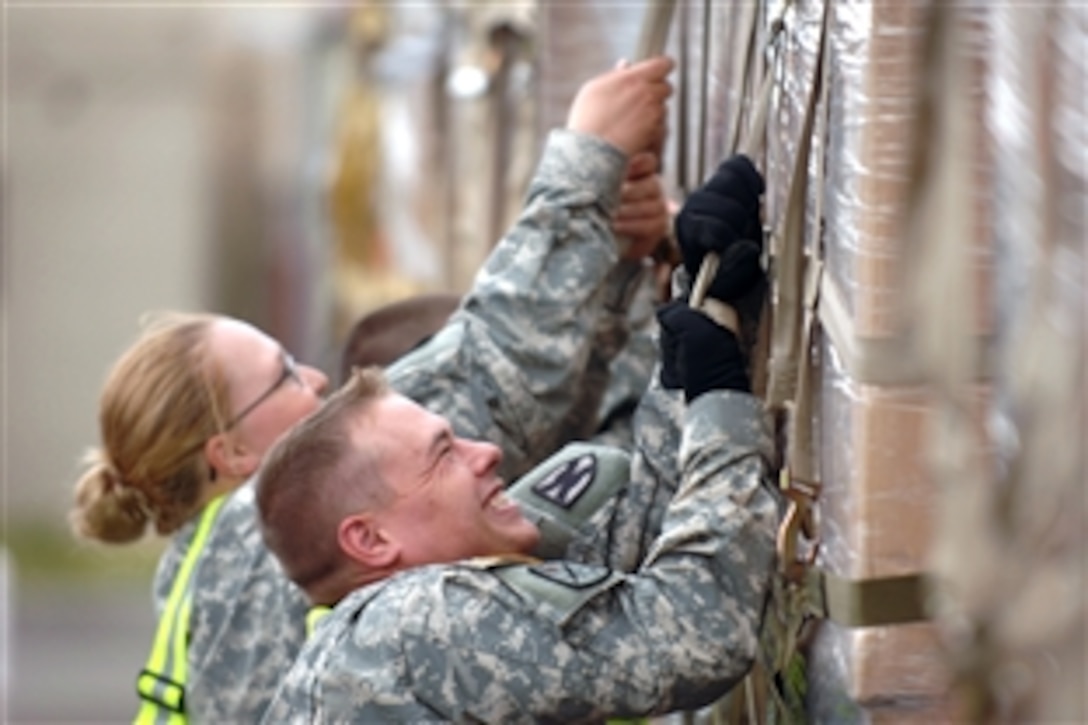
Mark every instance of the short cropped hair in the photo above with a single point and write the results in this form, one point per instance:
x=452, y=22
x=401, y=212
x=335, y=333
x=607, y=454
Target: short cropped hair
x=387, y=333
x=313, y=477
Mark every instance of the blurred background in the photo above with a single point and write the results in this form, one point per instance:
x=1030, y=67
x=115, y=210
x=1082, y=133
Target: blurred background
x=247, y=158
x=299, y=164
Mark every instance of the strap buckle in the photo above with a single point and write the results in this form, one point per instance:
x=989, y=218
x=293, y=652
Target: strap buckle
x=800, y=520
x=161, y=690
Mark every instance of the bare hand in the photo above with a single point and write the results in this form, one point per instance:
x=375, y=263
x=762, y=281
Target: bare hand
x=644, y=216
x=626, y=106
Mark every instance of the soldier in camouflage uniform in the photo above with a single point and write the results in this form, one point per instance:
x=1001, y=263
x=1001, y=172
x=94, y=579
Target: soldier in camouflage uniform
x=188, y=413
x=499, y=638
x=378, y=507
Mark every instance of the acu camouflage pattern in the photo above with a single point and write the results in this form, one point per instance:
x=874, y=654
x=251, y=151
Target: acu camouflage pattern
x=247, y=620
x=624, y=379
x=502, y=370
x=467, y=643
x=619, y=535
x=510, y=366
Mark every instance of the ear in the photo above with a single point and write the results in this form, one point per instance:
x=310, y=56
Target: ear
x=229, y=458
x=362, y=540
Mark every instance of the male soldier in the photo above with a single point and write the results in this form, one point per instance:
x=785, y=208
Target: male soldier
x=507, y=366
x=377, y=506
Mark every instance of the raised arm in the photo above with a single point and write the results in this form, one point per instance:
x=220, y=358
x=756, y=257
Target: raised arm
x=680, y=630
x=666, y=620
x=560, y=641
x=567, y=642
x=508, y=367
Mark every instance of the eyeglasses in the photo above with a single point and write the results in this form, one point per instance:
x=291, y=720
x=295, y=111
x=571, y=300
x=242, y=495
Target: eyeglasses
x=290, y=372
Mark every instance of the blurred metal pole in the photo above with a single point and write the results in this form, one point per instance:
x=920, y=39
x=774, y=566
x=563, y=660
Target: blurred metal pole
x=655, y=29
x=507, y=43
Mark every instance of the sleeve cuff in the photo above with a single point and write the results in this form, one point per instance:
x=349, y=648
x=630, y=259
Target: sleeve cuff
x=737, y=419
x=583, y=165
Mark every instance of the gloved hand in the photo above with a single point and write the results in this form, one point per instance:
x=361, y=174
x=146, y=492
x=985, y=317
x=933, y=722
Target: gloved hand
x=698, y=354
x=723, y=216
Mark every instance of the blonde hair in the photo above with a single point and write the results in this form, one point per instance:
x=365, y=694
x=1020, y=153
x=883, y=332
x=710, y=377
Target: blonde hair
x=162, y=400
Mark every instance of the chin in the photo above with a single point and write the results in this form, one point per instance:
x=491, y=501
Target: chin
x=528, y=539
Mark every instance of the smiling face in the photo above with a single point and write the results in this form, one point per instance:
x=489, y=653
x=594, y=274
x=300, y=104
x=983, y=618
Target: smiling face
x=445, y=501
x=268, y=393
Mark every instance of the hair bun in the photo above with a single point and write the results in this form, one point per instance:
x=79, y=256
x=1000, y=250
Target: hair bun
x=106, y=507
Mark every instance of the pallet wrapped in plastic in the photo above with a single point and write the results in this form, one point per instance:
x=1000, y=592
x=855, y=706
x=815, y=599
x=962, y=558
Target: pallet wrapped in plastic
x=877, y=506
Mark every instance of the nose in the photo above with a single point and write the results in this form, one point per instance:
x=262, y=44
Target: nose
x=485, y=457
x=316, y=380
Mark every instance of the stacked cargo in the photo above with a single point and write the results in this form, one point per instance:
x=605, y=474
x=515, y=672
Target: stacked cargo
x=875, y=418
x=910, y=465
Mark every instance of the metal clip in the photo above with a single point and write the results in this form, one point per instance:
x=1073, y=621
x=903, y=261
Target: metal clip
x=800, y=520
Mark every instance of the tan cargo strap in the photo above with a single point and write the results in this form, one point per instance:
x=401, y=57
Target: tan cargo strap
x=795, y=306
x=753, y=139
x=683, y=100
x=721, y=313
x=775, y=687
x=849, y=602
x=870, y=602
x=752, y=142
x=795, y=314
x=790, y=374
x=689, y=175
x=789, y=320
x=704, y=94
x=653, y=36
x=743, y=62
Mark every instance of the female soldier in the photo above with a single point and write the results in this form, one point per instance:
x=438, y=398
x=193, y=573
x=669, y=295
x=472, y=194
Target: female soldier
x=186, y=416
x=188, y=413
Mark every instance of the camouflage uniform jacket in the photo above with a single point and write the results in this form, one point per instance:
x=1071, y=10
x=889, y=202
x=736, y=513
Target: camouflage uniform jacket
x=625, y=377
x=247, y=620
x=560, y=641
x=502, y=370
x=509, y=366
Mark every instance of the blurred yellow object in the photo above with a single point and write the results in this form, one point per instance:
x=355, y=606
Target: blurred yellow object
x=354, y=177
x=364, y=276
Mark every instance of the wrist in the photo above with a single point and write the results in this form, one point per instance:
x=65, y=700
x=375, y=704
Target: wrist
x=584, y=165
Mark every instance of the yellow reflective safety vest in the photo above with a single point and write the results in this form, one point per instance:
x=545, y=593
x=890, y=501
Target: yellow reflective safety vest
x=161, y=684
x=315, y=615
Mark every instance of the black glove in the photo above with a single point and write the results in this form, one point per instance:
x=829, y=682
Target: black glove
x=723, y=216
x=669, y=342
x=698, y=354
x=717, y=215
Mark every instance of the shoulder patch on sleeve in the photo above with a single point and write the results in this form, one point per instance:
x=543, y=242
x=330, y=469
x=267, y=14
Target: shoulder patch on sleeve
x=564, y=492
x=567, y=481
x=564, y=586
